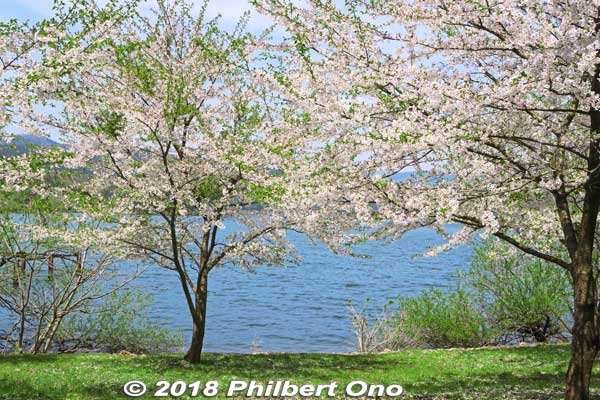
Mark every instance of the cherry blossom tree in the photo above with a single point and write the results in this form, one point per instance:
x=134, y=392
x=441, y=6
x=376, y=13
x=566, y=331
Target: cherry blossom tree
x=490, y=109
x=39, y=229
x=167, y=117
x=35, y=57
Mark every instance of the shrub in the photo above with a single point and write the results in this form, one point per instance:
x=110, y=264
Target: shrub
x=45, y=276
x=119, y=323
x=371, y=337
x=503, y=297
x=523, y=297
x=439, y=319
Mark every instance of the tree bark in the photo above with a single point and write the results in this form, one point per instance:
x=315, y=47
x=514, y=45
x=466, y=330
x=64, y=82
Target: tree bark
x=194, y=353
x=585, y=341
x=586, y=335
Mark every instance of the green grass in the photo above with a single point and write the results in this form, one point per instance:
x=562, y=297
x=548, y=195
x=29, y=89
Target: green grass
x=535, y=372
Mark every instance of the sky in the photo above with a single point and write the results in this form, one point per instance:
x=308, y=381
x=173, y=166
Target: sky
x=231, y=11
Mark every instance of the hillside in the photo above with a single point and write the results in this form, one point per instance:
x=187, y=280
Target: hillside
x=21, y=144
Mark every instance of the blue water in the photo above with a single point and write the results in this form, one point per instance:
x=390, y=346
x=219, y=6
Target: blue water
x=303, y=308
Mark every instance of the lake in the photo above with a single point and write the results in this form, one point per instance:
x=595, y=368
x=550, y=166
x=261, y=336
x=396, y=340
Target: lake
x=303, y=308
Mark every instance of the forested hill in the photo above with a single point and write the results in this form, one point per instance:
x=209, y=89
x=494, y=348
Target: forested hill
x=21, y=144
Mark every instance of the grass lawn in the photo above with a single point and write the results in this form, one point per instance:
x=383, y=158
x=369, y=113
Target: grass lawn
x=534, y=372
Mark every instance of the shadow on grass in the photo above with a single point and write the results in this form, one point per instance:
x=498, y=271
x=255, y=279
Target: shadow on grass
x=522, y=372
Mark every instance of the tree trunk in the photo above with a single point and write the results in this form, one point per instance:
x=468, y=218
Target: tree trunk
x=584, y=346
x=50, y=337
x=194, y=353
x=21, y=331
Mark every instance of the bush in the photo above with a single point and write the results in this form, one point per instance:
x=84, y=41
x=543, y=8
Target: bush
x=503, y=297
x=438, y=319
x=371, y=337
x=46, y=276
x=523, y=297
x=118, y=323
